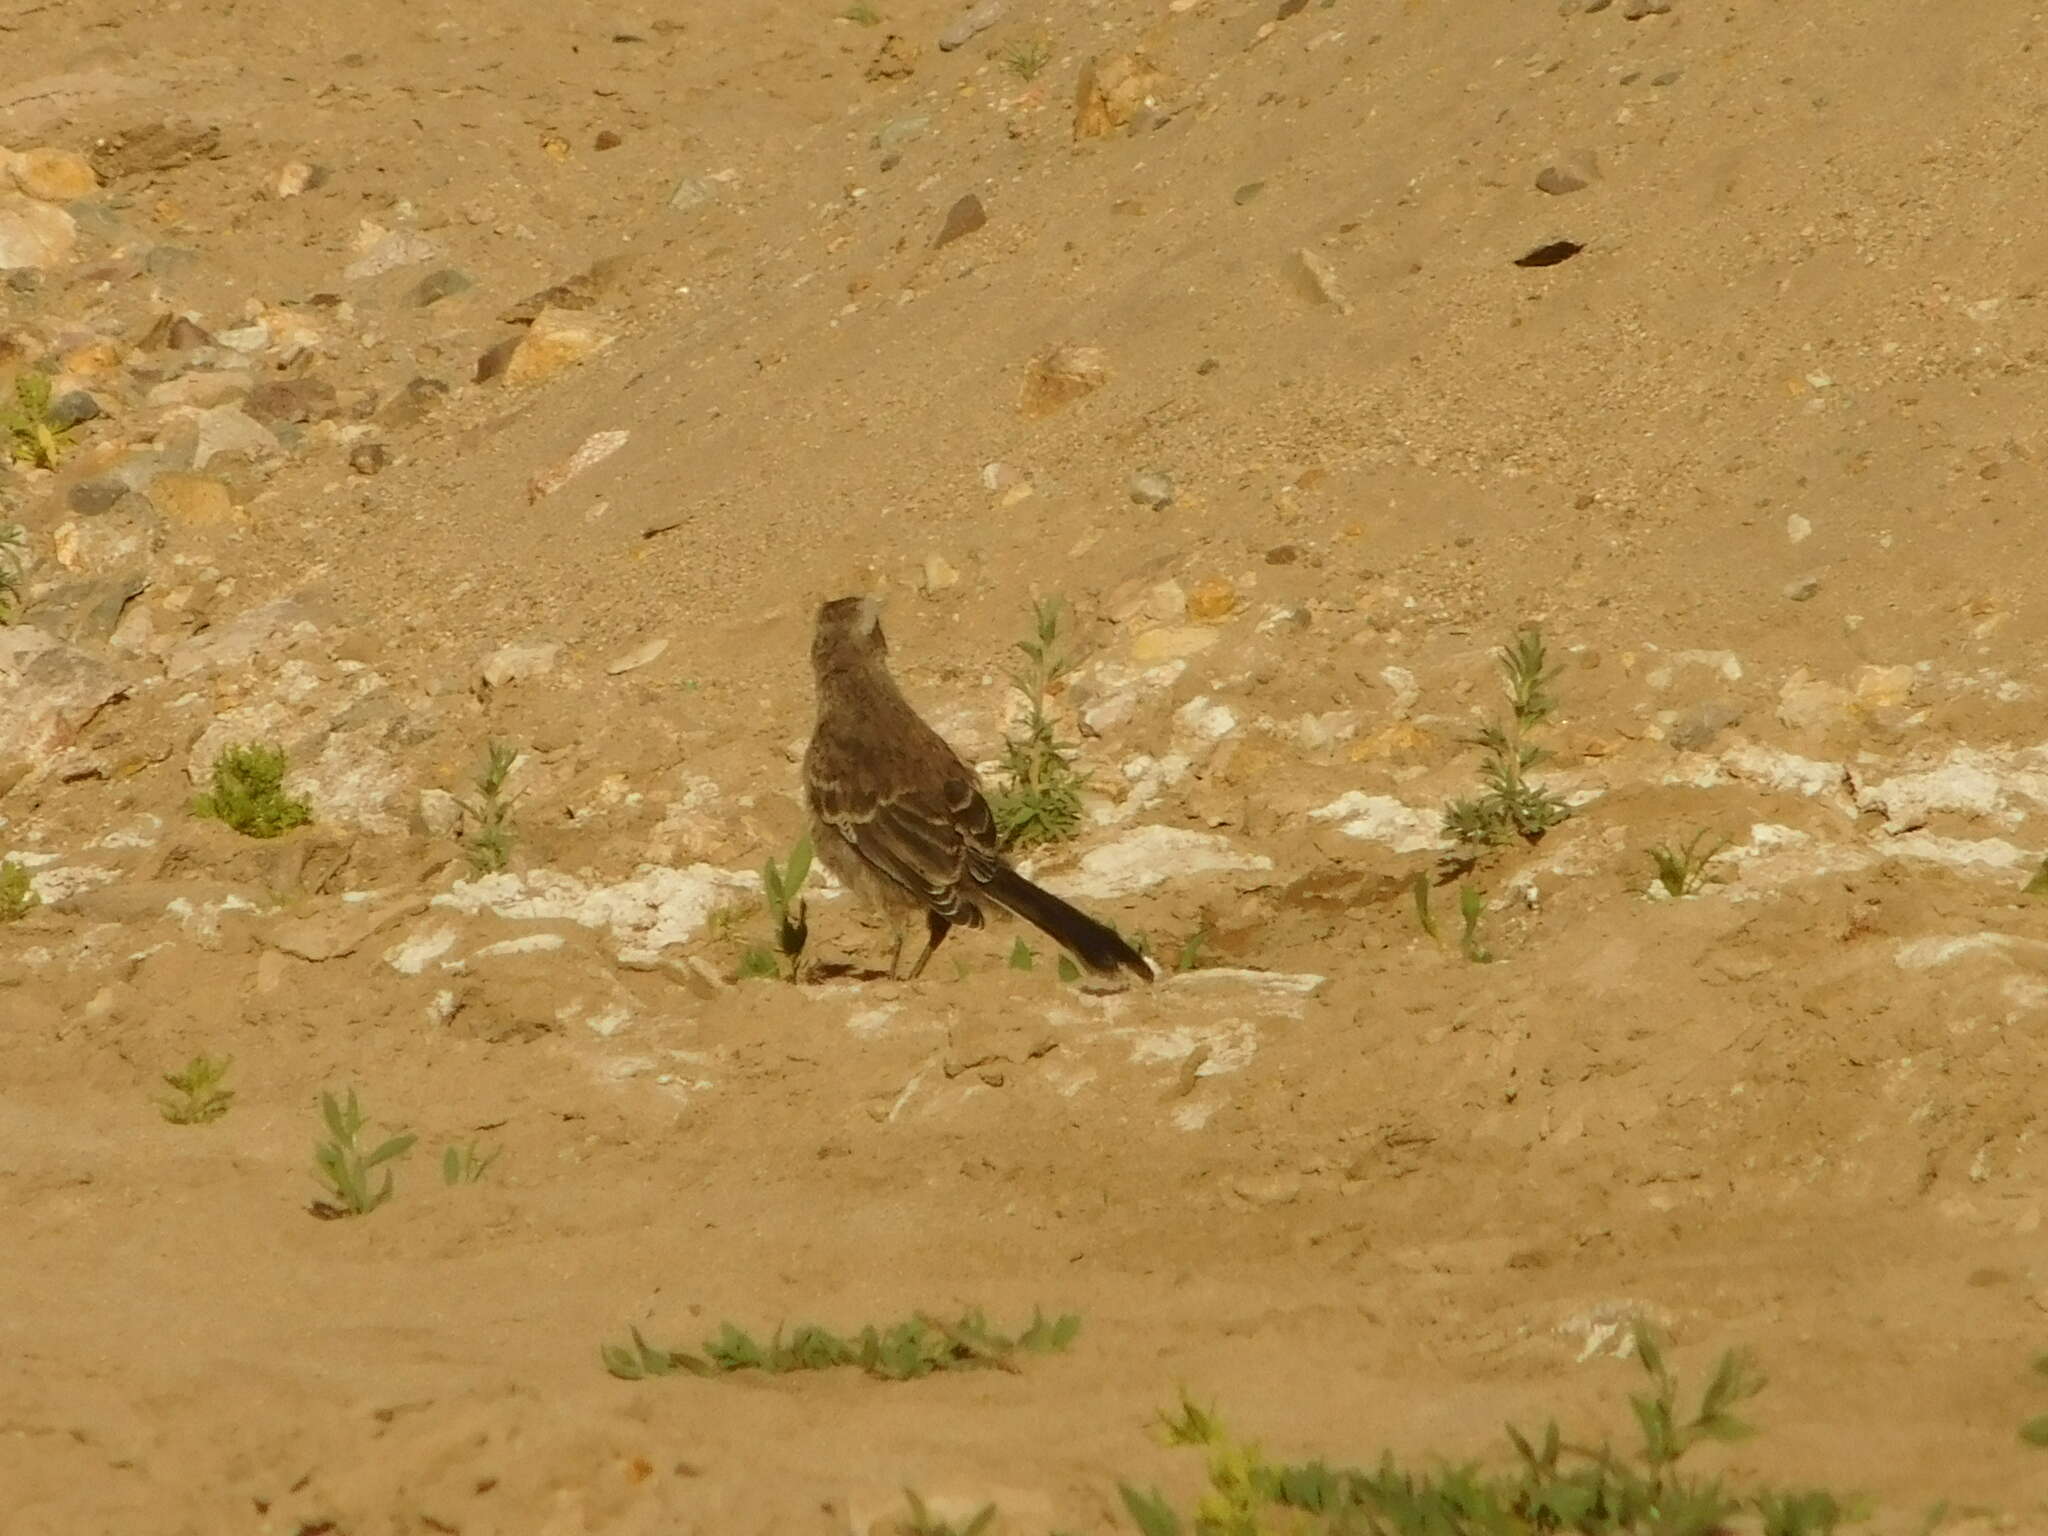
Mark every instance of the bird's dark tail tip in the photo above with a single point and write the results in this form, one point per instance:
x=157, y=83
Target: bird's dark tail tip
x=1096, y=945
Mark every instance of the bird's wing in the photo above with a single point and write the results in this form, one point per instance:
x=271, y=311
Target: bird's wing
x=929, y=837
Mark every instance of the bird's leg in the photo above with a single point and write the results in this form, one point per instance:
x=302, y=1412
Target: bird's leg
x=936, y=928
x=896, y=954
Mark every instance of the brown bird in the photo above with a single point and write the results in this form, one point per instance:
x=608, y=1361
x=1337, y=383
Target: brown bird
x=901, y=820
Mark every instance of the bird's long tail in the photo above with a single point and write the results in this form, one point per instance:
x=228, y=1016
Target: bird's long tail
x=1094, y=944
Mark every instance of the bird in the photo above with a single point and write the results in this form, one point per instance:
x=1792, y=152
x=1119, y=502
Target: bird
x=902, y=821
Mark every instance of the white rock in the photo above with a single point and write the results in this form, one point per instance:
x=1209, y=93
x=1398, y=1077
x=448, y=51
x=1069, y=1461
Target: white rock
x=639, y=656
x=33, y=234
x=413, y=954
x=520, y=660
x=387, y=251
x=1148, y=856
x=657, y=907
x=1204, y=721
x=1785, y=771
x=229, y=429
x=1383, y=819
x=1968, y=784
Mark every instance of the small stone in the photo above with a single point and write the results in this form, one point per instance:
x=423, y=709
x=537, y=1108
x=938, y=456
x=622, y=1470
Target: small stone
x=1110, y=93
x=557, y=340
x=1061, y=376
x=53, y=175
x=492, y=363
x=1694, y=729
x=175, y=333
x=369, y=458
x=519, y=661
x=939, y=574
x=1803, y=589
x=1171, y=644
x=1798, y=529
x=639, y=656
x=389, y=250
x=420, y=398
x=1150, y=488
x=34, y=235
x=73, y=408
x=291, y=400
x=1636, y=10
x=1273, y=1189
x=1318, y=280
x=592, y=451
x=966, y=27
x=896, y=59
x=894, y=135
x=436, y=286
x=691, y=193
x=606, y=139
x=1282, y=554
x=1165, y=602
x=89, y=498
x=1247, y=192
x=227, y=429
x=439, y=814
x=963, y=218
x=192, y=501
x=160, y=146
x=579, y=292
x=293, y=178
x=201, y=391
x=1212, y=601
x=1559, y=181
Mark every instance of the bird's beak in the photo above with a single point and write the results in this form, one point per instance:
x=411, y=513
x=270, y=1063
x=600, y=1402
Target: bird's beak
x=870, y=613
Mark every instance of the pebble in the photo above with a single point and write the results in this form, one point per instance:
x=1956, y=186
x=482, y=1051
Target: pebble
x=193, y=501
x=963, y=218
x=1212, y=601
x=896, y=59
x=520, y=660
x=1797, y=528
x=228, y=429
x=369, y=458
x=939, y=574
x=692, y=192
x=1247, y=192
x=291, y=400
x=293, y=178
x=199, y=390
x=1318, y=279
x=71, y=409
x=387, y=251
x=1636, y=10
x=436, y=286
x=639, y=656
x=1801, y=590
x=556, y=340
x=1560, y=181
x=1150, y=488
x=34, y=235
x=1172, y=643
x=976, y=20
x=1060, y=376
x=89, y=498
x=52, y=175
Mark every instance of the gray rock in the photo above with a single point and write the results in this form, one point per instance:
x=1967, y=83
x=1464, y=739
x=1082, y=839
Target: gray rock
x=369, y=458
x=291, y=400
x=520, y=660
x=227, y=429
x=1698, y=726
x=73, y=408
x=1150, y=488
x=413, y=404
x=439, y=813
x=89, y=498
x=1803, y=589
x=88, y=612
x=1560, y=181
x=962, y=219
x=1636, y=10
x=436, y=286
x=894, y=135
x=966, y=27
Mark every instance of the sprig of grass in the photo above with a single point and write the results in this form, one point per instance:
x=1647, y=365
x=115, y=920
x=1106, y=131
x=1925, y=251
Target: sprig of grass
x=781, y=885
x=918, y=1346
x=466, y=1164
x=344, y=1169
x=1552, y=1484
x=1424, y=918
x=1471, y=911
x=30, y=439
x=922, y=1522
x=487, y=834
x=2038, y=886
x=1027, y=60
x=248, y=792
x=1682, y=867
x=1509, y=806
x=861, y=14
x=199, y=1098
x=1038, y=799
x=13, y=569
x=18, y=895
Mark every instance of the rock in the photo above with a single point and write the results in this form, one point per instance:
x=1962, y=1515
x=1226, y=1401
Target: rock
x=89, y=498
x=896, y=59
x=1802, y=590
x=963, y=218
x=151, y=147
x=291, y=400
x=227, y=429
x=970, y=24
x=939, y=574
x=387, y=250
x=93, y=360
x=1247, y=192
x=34, y=236
x=1636, y=10
x=1383, y=819
x=332, y=935
x=201, y=390
x=595, y=449
x=1212, y=601
x=193, y=501
x=1145, y=857
x=1269, y=1190
x=691, y=192
x=293, y=178
x=519, y=661
x=643, y=654
x=1110, y=93
x=175, y=333
x=53, y=175
x=49, y=693
x=583, y=291
x=369, y=458
x=73, y=408
x=1150, y=488
x=436, y=286
x=88, y=612
x=491, y=363
x=420, y=398
x=268, y=631
x=1061, y=376
x=1317, y=279
x=1560, y=181
x=558, y=339
x=1698, y=726
x=1798, y=529
x=894, y=135
x=1170, y=644
x=439, y=813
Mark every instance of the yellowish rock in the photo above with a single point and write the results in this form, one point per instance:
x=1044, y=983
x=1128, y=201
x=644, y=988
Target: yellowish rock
x=558, y=339
x=1212, y=601
x=1884, y=687
x=92, y=360
x=1172, y=643
x=53, y=175
x=193, y=501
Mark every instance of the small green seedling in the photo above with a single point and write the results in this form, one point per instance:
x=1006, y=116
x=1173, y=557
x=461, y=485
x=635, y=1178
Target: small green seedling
x=248, y=792
x=1027, y=60
x=1509, y=806
x=466, y=1165
x=487, y=833
x=1022, y=957
x=18, y=895
x=30, y=439
x=197, y=1097
x=2038, y=886
x=1066, y=970
x=1682, y=868
x=1190, y=956
x=862, y=15
x=1472, y=908
x=1424, y=918
x=903, y=1351
x=922, y=1522
x=1037, y=798
x=781, y=885
x=344, y=1169
x=13, y=569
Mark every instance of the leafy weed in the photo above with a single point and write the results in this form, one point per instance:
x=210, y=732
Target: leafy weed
x=487, y=834
x=1509, y=806
x=919, y=1346
x=1039, y=797
x=1682, y=867
x=197, y=1097
x=344, y=1169
x=248, y=793
x=18, y=895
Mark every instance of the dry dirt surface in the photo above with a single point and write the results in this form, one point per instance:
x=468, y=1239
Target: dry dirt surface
x=423, y=376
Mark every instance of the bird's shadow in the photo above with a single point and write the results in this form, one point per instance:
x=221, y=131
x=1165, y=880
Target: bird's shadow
x=841, y=970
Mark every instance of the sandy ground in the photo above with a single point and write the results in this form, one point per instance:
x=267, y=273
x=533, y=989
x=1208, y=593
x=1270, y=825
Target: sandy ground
x=1763, y=458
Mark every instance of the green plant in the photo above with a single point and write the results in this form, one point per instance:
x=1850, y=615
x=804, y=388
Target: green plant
x=1509, y=806
x=1424, y=918
x=1027, y=60
x=1022, y=956
x=30, y=439
x=487, y=833
x=903, y=1351
x=862, y=14
x=1682, y=868
x=466, y=1165
x=780, y=884
x=1471, y=909
x=1551, y=1486
x=344, y=1169
x=1189, y=957
x=921, y=1521
x=2038, y=886
x=248, y=792
x=17, y=892
x=200, y=1099
x=13, y=569
x=1039, y=797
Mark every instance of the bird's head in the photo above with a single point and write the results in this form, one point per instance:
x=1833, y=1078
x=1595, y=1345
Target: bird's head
x=848, y=628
